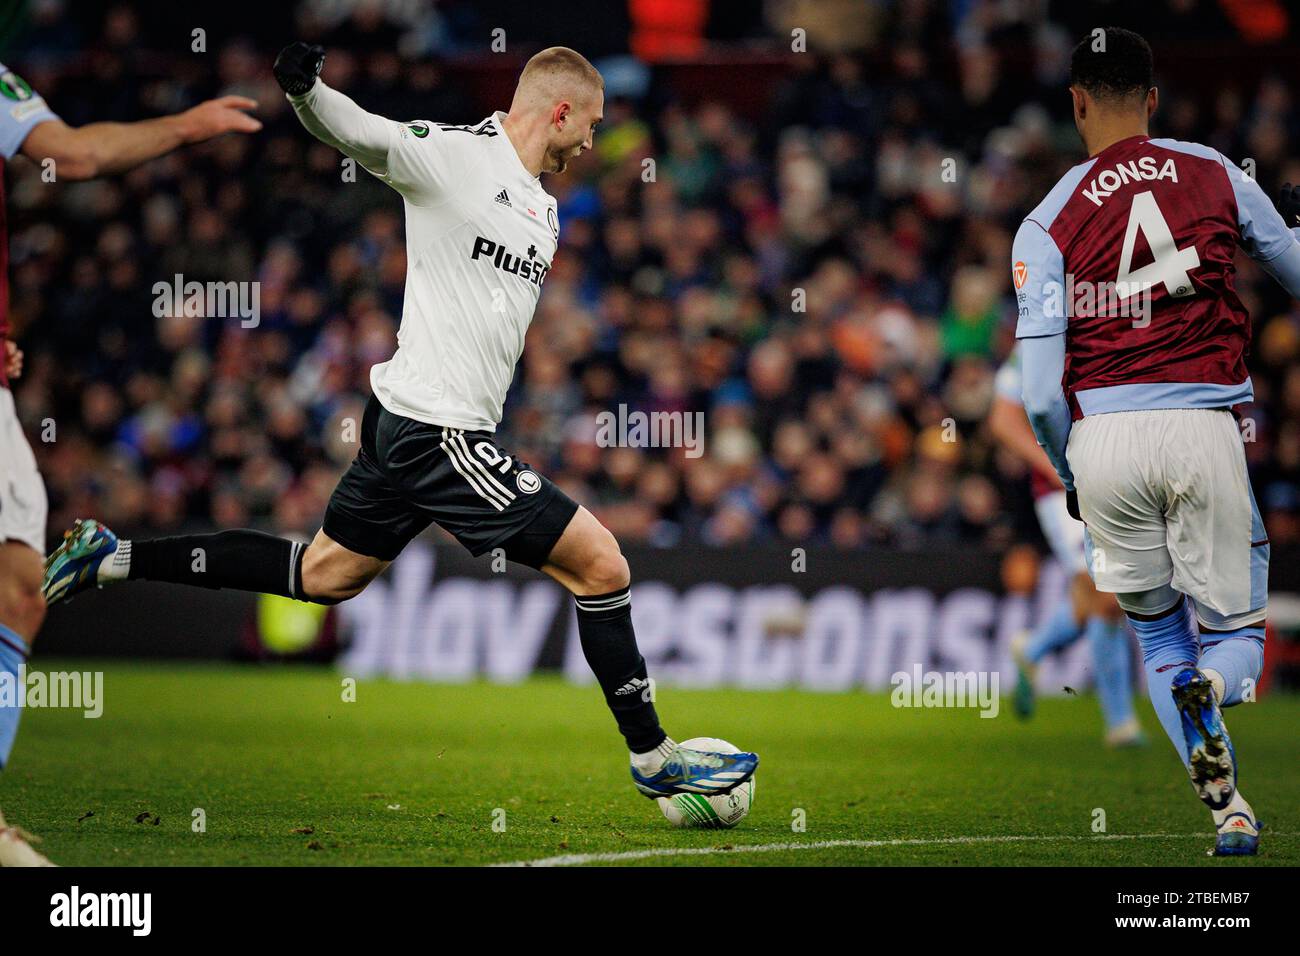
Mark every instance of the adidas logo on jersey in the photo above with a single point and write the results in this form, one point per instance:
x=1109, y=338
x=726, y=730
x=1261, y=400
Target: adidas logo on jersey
x=504, y=199
x=532, y=269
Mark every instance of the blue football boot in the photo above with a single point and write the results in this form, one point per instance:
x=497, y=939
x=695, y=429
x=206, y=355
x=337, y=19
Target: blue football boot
x=697, y=771
x=1238, y=835
x=74, y=565
x=1211, y=761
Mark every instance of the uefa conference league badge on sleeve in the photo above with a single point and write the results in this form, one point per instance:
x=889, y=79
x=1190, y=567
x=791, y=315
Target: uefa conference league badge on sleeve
x=17, y=90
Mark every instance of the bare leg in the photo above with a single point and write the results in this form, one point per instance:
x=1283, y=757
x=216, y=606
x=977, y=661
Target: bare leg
x=587, y=559
x=331, y=573
x=22, y=608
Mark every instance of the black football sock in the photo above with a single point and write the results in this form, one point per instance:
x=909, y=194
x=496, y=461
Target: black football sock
x=244, y=560
x=609, y=644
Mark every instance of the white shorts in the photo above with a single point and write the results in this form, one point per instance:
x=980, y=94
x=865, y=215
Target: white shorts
x=23, y=506
x=1167, y=500
x=1064, y=535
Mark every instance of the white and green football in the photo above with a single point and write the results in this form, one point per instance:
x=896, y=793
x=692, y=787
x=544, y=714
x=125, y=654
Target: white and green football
x=719, y=812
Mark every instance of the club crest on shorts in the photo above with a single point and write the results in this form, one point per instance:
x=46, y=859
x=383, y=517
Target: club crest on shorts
x=528, y=482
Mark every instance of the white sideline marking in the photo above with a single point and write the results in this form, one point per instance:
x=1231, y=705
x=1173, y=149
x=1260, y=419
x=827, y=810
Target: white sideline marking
x=579, y=859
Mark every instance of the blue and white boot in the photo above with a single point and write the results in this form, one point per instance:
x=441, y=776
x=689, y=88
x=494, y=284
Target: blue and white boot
x=1211, y=761
x=695, y=771
x=1238, y=834
x=74, y=565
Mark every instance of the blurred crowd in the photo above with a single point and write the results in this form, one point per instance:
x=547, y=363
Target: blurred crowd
x=827, y=284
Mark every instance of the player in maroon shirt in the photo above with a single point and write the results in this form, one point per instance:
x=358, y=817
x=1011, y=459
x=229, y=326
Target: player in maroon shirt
x=1133, y=347
x=28, y=126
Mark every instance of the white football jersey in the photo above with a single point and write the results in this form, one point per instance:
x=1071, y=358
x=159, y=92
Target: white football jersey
x=481, y=234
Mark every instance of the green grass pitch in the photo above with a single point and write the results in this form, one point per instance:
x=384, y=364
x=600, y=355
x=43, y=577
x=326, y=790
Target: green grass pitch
x=286, y=772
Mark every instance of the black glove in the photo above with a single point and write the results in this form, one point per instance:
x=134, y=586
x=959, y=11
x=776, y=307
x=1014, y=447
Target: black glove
x=1289, y=205
x=297, y=67
x=1072, y=504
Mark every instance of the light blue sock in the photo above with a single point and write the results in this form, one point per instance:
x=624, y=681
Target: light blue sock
x=1237, y=655
x=13, y=653
x=1056, y=631
x=1168, y=645
x=1113, y=663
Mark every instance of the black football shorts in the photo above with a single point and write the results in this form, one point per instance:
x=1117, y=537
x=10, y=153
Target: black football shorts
x=408, y=474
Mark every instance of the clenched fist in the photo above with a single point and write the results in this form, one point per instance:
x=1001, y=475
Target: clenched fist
x=297, y=67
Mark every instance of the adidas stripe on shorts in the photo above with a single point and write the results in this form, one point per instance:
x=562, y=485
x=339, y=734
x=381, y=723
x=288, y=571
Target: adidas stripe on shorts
x=409, y=474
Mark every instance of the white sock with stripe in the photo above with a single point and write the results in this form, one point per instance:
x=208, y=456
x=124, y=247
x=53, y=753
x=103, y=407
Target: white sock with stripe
x=649, y=762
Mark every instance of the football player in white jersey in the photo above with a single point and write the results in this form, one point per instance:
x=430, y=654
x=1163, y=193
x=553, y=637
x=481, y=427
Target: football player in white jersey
x=481, y=235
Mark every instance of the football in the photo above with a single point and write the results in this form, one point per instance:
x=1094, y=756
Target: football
x=720, y=812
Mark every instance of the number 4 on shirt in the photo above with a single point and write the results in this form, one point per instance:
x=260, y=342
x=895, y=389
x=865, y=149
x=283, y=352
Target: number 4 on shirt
x=1170, y=265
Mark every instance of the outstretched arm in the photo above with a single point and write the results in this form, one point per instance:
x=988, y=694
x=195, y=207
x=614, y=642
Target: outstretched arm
x=336, y=120
x=99, y=149
x=424, y=168
x=329, y=115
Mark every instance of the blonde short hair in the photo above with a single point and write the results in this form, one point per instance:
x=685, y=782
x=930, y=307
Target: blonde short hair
x=557, y=68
